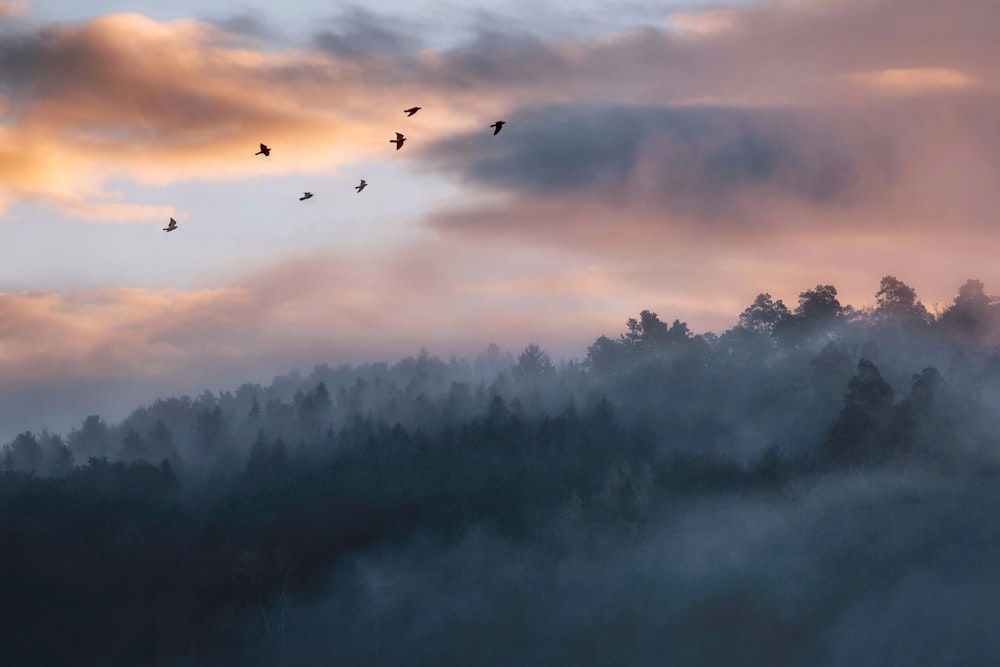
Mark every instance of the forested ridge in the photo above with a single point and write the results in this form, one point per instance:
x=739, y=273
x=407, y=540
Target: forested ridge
x=753, y=497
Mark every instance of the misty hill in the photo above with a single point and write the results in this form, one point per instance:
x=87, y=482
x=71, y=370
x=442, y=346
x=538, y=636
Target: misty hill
x=752, y=497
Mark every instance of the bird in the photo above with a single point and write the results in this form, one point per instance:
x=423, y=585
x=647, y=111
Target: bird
x=412, y=110
x=499, y=126
x=263, y=150
x=305, y=196
x=171, y=227
x=398, y=141
x=361, y=186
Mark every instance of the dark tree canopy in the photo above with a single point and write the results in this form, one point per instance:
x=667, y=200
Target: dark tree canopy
x=819, y=305
x=898, y=302
x=763, y=314
x=860, y=433
x=533, y=362
x=973, y=313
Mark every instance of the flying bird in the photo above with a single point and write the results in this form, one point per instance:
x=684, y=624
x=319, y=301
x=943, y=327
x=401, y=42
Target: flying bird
x=264, y=150
x=305, y=196
x=398, y=141
x=499, y=126
x=362, y=186
x=171, y=226
x=412, y=110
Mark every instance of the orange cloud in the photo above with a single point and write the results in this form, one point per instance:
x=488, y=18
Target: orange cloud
x=306, y=309
x=707, y=22
x=14, y=8
x=126, y=97
x=448, y=295
x=912, y=81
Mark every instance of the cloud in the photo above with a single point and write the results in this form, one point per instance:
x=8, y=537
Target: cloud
x=700, y=161
x=14, y=8
x=252, y=24
x=124, y=97
x=832, y=123
x=114, y=212
x=706, y=22
x=302, y=310
x=912, y=81
x=705, y=207
x=362, y=33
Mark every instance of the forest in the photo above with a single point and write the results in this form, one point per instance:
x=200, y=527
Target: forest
x=817, y=485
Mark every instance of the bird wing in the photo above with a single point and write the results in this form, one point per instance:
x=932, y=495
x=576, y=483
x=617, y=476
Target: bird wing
x=399, y=136
x=263, y=147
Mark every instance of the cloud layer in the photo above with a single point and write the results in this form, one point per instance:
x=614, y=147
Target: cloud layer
x=124, y=96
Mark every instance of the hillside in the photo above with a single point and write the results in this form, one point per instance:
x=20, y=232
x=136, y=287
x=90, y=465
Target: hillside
x=754, y=497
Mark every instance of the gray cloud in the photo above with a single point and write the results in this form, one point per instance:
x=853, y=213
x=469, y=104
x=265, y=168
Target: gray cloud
x=246, y=23
x=44, y=59
x=359, y=32
x=700, y=159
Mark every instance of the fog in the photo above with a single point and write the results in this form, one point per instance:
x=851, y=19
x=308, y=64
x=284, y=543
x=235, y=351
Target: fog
x=880, y=569
x=814, y=486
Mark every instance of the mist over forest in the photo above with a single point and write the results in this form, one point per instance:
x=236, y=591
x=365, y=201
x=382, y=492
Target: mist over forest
x=817, y=485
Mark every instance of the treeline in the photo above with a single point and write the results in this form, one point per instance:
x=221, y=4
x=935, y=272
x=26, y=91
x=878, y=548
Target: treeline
x=169, y=534
x=690, y=388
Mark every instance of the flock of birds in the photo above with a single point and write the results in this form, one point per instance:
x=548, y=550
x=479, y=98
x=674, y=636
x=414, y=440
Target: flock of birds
x=266, y=150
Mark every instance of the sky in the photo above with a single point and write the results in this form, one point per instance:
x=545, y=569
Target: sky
x=680, y=157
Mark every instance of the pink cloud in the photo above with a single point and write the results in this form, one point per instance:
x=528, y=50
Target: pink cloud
x=304, y=310
x=14, y=8
x=124, y=96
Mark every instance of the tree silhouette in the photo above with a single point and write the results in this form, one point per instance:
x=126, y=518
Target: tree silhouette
x=898, y=302
x=57, y=457
x=605, y=355
x=819, y=305
x=23, y=454
x=210, y=430
x=818, y=311
x=532, y=362
x=134, y=447
x=972, y=314
x=316, y=405
x=860, y=434
x=763, y=314
x=91, y=439
x=162, y=445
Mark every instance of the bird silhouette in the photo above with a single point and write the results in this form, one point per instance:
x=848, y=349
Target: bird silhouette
x=398, y=141
x=361, y=186
x=171, y=226
x=499, y=126
x=264, y=150
x=305, y=196
x=412, y=110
